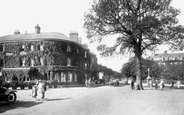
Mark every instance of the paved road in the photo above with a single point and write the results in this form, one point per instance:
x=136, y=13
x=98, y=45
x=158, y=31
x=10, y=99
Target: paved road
x=103, y=100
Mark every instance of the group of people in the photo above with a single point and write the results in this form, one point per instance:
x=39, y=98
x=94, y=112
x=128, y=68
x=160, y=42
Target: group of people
x=38, y=90
x=162, y=84
x=157, y=85
x=89, y=82
x=178, y=82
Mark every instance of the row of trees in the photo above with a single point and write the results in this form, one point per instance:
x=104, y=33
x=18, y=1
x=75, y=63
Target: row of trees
x=107, y=72
x=156, y=71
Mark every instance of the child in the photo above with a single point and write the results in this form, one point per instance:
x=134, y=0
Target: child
x=34, y=91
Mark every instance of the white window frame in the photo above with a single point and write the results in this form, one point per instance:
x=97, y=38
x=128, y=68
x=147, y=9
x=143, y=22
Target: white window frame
x=86, y=66
x=68, y=48
x=32, y=48
x=41, y=47
x=41, y=61
x=68, y=62
x=32, y=62
x=85, y=54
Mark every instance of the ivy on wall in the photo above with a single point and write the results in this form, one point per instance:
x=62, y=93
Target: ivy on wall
x=54, y=53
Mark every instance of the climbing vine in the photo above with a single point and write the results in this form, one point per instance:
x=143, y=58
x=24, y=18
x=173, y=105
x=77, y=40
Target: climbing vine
x=20, y=54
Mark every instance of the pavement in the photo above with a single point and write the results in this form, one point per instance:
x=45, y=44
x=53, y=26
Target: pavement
x=102, y=100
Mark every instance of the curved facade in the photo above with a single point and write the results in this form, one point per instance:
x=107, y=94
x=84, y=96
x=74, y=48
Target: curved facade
x=49, y=56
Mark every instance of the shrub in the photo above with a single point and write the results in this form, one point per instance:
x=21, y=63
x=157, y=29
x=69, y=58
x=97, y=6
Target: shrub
x=8, y=84
x=22, y=85
x=55, y=83
x=29, y=84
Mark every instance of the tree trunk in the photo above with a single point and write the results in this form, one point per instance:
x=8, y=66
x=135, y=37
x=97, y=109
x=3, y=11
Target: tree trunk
x=139, y=73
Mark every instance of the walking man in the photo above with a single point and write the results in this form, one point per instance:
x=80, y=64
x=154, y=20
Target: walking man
x=132, y=84
x=172, y=84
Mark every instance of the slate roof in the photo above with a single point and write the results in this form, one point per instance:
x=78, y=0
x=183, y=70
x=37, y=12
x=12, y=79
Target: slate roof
x=34, y=36
x=55, y=36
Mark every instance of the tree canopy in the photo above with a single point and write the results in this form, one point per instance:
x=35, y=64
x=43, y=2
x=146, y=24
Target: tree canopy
x=129, y=69
x=174, y=71
x=138, y=25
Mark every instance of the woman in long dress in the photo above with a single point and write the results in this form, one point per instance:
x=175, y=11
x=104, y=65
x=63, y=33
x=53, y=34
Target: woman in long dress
x=178, y=83
x=34, y=91
x=41, y=89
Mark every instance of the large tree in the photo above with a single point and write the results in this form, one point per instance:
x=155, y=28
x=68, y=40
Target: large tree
x=138, y=25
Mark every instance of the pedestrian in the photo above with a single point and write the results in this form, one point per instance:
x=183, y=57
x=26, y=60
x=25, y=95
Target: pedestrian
x=44, y=88
x=41, y=89
x=162, y=84
x=89, y=82
x=86, y=82
x=151, y=83
x=172, y=84
x=156, y=84
x=178, y=83
x=132, y=84
x=34, y=91
x=92, y=83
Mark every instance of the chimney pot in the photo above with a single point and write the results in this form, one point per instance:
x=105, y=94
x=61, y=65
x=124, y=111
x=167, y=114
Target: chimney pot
x=16, y=32
x=74, y=36
x=37, y=29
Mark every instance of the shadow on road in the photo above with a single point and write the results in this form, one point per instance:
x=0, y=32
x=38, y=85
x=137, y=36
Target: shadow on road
x=19, y=104
x=47, y=99
x=120, y=85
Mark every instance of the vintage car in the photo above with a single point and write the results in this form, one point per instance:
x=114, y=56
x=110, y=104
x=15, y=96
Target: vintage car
x=7, y=95
x=114, y=82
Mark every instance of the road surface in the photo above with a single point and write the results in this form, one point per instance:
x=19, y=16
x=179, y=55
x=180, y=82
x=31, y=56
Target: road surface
x=102, y=100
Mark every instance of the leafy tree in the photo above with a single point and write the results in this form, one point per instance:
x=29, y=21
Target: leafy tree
x=174, y=72
x=129, y=69
x=138, y=25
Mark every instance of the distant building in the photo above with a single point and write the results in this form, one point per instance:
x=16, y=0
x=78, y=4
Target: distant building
x=168, y=58
x=48, y=55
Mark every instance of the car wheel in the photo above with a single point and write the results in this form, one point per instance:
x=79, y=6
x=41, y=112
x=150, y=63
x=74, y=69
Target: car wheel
x=11, y=98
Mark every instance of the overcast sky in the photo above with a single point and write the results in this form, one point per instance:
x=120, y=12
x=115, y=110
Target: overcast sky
x=61, y=16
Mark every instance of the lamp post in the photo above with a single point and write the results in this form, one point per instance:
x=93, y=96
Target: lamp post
x=148, y=78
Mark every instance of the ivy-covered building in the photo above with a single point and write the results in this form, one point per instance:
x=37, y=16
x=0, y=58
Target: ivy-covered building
x=48, y=55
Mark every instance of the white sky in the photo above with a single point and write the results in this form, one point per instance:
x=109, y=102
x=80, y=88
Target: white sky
x=61, y=16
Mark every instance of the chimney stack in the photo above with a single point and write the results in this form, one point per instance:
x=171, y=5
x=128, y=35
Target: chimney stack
x=74, y=36
x=37, y=29
x=16, y=32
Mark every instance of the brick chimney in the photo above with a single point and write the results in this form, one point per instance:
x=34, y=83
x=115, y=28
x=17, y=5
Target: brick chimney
x=37, y=29
x=16, y=32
